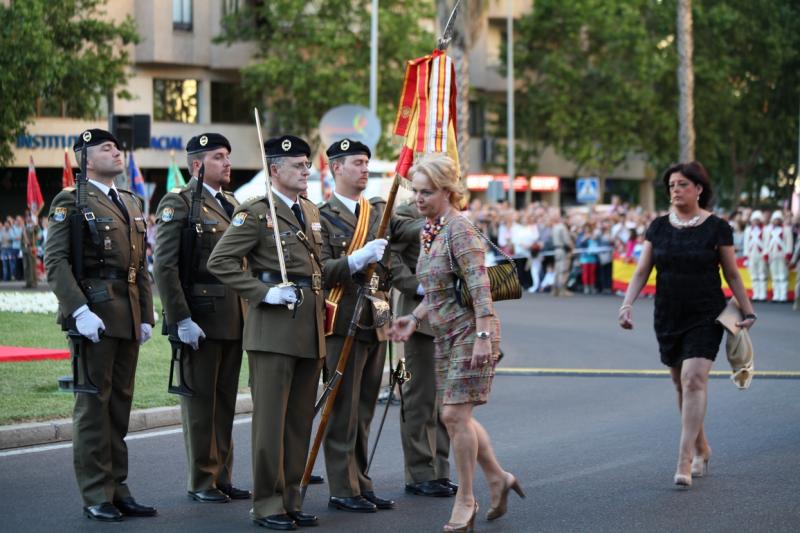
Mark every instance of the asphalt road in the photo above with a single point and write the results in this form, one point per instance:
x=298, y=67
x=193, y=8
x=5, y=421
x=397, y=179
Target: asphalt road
x=592, y=453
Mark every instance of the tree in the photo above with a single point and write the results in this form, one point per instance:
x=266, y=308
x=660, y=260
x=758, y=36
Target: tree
x=686, y=135
x=314, y=55
x=63, y=53
x=600, y=84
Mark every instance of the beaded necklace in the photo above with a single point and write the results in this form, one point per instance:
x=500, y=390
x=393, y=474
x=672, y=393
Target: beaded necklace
x=431, y=230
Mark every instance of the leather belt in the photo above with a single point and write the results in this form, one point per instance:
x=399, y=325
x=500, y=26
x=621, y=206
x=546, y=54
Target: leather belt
x=111, y=274
x=313, y=282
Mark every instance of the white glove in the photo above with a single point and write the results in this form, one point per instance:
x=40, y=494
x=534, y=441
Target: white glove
x=190, y=333
x=420, y=290
x=145, y=332
x=372, y=252
x=88, y=324
x=280, y=296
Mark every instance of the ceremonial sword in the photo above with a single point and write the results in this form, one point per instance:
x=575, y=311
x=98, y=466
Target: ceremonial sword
x=276, y=232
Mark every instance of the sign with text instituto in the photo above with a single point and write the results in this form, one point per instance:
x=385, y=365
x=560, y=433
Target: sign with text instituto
x=59, y=142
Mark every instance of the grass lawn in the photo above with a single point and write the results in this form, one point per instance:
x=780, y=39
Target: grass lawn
x=29, y=390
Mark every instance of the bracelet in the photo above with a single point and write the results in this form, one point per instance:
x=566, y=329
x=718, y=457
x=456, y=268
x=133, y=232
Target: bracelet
x=416, y=320
x=750, y=316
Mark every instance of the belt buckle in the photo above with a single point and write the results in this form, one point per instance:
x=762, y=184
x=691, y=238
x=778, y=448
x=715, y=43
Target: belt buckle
x=131, y=275
x=316, y=282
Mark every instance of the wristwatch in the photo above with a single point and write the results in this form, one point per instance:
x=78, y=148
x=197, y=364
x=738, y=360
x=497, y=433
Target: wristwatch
x=483, y=335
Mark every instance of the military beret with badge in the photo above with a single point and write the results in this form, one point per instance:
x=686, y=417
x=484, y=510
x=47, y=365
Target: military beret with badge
x=347, y=147
x=286, y=146
x=207, y=142
x=93, y=137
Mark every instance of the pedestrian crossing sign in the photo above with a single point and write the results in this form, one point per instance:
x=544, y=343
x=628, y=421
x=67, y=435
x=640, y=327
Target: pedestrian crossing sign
x=587, y=190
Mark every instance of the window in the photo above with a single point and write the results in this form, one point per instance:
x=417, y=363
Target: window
x=182, y=15
x=476, y=118
x=228, y=103
x=175, y=100
x=229, y=7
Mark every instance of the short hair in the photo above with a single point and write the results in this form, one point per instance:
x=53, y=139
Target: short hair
x=695, y=172
x=277, y=161
x=191, y=158
x=443, y=173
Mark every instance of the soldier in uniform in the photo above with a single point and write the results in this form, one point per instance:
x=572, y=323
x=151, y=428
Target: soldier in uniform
x=347, y=434
x=30, y=234
x=755, y=250
x=113, y=299
x=426, y=445
x=285, y=346
x=208, y=319
x=779, y=252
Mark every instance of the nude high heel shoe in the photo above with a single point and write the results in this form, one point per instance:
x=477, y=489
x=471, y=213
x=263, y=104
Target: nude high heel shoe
x=700, y=466
x=451, y=527
x=502, y=506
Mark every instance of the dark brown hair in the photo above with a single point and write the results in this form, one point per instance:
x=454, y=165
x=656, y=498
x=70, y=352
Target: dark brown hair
x=695, y=172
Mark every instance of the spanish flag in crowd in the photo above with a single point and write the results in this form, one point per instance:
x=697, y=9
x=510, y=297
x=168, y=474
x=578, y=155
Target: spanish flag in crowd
x=67, y=179
x=426, y=116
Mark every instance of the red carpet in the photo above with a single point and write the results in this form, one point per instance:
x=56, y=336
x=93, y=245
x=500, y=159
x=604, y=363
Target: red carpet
x=11, y=354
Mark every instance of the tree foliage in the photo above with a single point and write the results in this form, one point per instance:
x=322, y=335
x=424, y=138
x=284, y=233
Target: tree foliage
x=314, y=55
x=62, y=52
x=600, y=83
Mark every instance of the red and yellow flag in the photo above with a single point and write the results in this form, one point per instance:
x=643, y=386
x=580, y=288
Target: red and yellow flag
x=426, y=116
x=67, y=178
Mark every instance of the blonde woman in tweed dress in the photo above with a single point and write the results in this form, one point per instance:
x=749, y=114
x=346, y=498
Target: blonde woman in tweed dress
x=467, y=338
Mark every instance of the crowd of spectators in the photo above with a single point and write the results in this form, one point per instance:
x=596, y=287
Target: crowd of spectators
x=12, y=246
x=598, y=234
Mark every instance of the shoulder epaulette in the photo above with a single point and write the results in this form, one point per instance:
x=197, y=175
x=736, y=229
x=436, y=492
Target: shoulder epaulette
x=375, y=200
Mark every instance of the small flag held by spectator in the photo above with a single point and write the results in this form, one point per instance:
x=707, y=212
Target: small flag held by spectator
x=137, y=182
x=174, y=176
x=67, y=179
x=35, y=200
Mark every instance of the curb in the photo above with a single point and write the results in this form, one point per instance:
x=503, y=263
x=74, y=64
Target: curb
x=34, y=433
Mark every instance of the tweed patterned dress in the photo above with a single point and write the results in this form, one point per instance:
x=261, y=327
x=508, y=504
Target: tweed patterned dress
x=454, y=326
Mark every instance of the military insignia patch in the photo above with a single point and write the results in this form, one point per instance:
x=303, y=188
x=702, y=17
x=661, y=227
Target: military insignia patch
x=316, y=226
x=87, y=136
x=239, y=219
x=107, y=243
x=344, y=145
x=203, y=140
x=286, y=145
x=60, y=214
x=167, y=214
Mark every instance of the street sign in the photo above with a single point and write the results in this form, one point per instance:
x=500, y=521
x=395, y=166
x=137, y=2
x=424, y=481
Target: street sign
x=587, y=190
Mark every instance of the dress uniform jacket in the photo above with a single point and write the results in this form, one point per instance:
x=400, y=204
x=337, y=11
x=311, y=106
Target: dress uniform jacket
x=284, y=351
x=116, y=287
x=212, y=371
x=30, y=233
x=347, y=433
x=426, y=445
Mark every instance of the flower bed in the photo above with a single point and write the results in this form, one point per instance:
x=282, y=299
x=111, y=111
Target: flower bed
x=28, y=302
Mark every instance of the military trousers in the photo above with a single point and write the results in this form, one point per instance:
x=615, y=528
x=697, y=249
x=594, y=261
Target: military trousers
x=100, y=421
x=347, y=435
x=426, y=445
x=212, y=372
x=29, y=268
x=284, y=390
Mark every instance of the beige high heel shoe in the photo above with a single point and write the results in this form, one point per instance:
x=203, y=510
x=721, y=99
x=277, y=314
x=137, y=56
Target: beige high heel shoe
x=700, y=466
x=502, y=506
x=451, y=527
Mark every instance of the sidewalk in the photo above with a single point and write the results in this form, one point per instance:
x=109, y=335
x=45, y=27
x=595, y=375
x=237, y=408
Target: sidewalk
x=34, y=433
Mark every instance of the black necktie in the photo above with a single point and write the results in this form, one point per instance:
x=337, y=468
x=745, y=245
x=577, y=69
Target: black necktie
x=358, y=210
x=226, y=205
x=298, y=213
x=115, y=198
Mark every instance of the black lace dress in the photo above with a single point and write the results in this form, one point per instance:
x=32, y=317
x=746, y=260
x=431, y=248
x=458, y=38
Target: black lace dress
x=688, y=287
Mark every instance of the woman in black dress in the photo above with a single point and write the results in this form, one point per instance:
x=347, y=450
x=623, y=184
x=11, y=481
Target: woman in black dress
x=687, y=247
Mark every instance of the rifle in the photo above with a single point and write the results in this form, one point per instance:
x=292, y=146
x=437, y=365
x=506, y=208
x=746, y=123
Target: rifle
x=329, y=395
x=76, y=223
x=190, y=241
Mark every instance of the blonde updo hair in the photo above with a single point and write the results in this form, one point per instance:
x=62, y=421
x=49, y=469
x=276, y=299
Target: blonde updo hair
x=443, y=173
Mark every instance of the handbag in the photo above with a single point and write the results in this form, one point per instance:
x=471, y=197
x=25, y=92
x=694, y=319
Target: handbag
x=738, y=346
x=503, y=279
